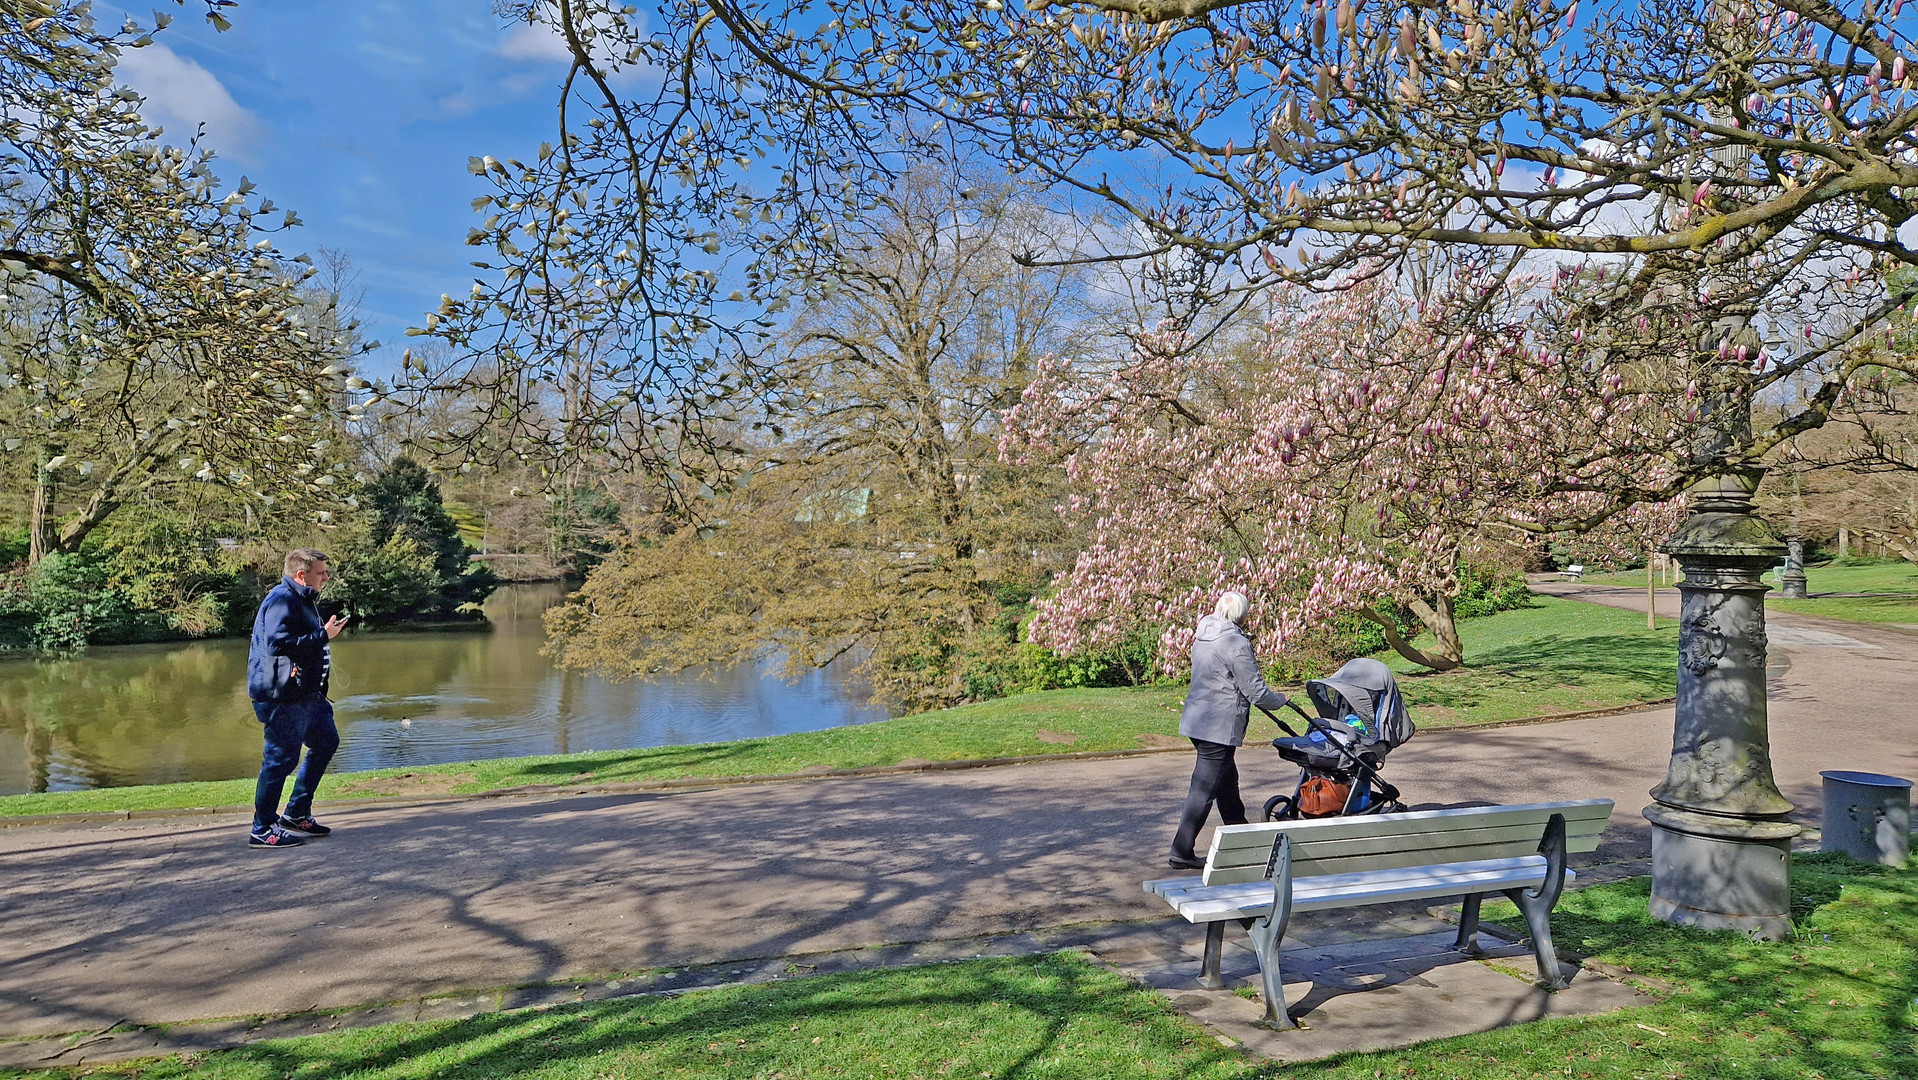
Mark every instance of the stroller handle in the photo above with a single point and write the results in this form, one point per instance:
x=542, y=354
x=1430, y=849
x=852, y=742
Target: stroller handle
x=1283, y=726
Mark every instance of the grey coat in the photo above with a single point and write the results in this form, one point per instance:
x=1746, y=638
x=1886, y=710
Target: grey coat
x=1226, y=683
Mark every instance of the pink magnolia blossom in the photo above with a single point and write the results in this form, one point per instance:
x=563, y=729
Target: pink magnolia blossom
x=1371, y=447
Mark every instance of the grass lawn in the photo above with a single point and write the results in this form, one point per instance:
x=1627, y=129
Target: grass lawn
x=1894, y=577
x=1876, y=576
x=1838, y=1002
x=1556, y=656
x=1050, y=722
x=1883, y=609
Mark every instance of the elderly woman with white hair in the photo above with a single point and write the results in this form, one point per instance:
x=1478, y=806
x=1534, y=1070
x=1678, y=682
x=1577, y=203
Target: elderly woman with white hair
x=1226, y=683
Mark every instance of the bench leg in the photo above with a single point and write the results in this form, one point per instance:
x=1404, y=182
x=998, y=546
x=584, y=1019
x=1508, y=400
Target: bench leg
x=1467, y=942
x=1537, y=904
x=1266, y=935
x=1209, y=976
x=1268, y=932
x=1538, y=922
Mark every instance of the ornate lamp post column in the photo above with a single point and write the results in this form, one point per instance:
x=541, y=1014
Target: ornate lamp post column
x=1791, y=583
x=1720, y=842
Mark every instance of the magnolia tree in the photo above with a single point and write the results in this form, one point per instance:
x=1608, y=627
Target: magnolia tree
x=1377, y=442
x=151, y=334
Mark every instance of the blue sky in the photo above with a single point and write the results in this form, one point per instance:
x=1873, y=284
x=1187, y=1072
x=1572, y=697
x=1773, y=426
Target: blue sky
x=360, y=116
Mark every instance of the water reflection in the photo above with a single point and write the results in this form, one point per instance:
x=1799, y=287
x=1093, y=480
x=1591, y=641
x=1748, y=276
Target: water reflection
x=159, y=713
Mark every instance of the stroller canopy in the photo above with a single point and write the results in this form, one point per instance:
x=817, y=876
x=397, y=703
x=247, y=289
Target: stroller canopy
x=1365, y=687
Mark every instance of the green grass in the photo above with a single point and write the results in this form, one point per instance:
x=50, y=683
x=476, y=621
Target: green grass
x=1557, y=656
x=1839, y=1001
x=1038, y=1017
x=1049, y=722
x=1894, y=577
x=1874, y=576
x=1884, y=609
x=1620, y=577
x=1856, y=609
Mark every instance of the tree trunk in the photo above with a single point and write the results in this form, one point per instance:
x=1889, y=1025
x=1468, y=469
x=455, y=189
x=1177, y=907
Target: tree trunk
x=1439, y=619
x=128, y=479
x=1890, y=544
x=98, y=507
x=39, y=528
x=1445, y=656
x=1651, y=595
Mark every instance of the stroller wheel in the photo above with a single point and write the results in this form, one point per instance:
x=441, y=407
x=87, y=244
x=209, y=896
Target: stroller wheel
x=1281, y=808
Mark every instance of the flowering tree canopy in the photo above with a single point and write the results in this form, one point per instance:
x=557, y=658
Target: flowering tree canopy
x=878, y=524
x=1752, y=155
x=1375, y=442
x=151, y=333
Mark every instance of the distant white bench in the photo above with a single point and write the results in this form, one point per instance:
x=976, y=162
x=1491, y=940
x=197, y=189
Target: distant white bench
x=1258, y=875
x=1574, y=572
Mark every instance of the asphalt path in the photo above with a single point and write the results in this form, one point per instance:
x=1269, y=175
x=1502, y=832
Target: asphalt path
x=172, y=920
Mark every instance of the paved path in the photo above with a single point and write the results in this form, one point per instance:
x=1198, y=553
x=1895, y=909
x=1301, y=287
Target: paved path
x=154, y=921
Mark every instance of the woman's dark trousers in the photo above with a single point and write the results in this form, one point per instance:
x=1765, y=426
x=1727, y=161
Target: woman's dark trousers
x=289, y=725
x=1215, y=779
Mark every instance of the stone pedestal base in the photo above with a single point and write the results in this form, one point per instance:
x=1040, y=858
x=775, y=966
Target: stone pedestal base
x=1791, y=583
x=1721, y=873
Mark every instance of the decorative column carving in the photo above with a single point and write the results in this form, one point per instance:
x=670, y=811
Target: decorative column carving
x=1720, y=841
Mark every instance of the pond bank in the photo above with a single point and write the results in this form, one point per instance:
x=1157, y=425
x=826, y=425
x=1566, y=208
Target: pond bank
x=166, y=714
x=1550, y=662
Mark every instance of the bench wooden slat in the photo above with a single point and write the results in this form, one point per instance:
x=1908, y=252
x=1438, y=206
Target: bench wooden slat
x=1251, y=900
x=1587, y=830
x=1310, y=869
x=1173, y=890
x=1386, y=841
x=1414, y=822
x=1202, y=911
x=1308, y=866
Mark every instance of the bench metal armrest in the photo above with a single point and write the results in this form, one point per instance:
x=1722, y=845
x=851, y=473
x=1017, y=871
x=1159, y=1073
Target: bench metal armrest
x=1552, y=846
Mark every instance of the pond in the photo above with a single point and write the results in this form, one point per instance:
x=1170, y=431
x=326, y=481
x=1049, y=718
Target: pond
x=149, y=714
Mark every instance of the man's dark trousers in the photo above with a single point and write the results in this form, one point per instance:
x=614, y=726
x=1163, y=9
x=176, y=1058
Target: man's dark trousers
x=289, y=725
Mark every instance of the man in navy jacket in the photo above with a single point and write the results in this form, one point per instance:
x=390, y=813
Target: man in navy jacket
x=287, y=667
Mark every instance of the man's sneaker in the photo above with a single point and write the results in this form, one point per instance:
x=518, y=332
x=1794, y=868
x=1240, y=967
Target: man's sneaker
x=304, y=825
x=274, y=837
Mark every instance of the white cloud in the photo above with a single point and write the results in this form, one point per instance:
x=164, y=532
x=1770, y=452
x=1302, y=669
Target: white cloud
x=542, y=43
x=181, y=95
x=535, y=41
x=456, y=105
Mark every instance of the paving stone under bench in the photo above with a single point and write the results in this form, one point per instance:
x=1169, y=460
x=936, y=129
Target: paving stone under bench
x=1371, y=995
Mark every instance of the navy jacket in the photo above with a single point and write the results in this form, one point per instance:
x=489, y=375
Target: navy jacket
x=288, y=656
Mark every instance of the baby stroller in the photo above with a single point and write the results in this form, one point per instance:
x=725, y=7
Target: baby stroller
x=1361, y=718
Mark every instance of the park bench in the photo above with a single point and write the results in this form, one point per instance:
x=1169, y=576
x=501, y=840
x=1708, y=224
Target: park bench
x=1259, y=875
x=1574, y=572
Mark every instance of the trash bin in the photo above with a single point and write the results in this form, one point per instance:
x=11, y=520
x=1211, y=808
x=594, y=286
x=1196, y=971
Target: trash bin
x=1867, y=816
